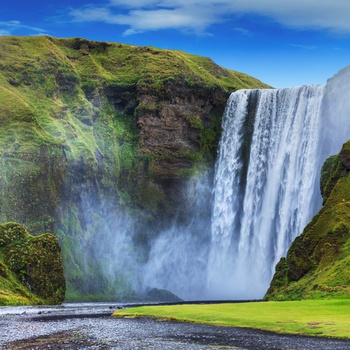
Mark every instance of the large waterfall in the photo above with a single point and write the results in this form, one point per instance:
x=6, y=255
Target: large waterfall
x=264, y=190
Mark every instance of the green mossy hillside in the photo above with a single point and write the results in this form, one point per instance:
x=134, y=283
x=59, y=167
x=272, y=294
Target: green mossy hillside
x=117, y=64
x=31, y=270
x=318, y=262
x=93, y=133
x=116, y=115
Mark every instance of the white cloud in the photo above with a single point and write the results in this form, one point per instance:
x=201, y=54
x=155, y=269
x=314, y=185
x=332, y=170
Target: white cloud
x=244, y=32
x=305, y=47
x=140, y=20
x=94, y=14
x=10, y=27
x=164, y=19
x=4, y=32
x=136, y=3
x=197, y=16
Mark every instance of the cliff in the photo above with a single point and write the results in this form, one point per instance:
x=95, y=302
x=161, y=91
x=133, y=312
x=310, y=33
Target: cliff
x=31, y=270
x=97, y=141
x=317, y=263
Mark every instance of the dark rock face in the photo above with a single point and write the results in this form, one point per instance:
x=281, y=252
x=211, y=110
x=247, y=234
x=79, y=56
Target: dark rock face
x=33, y=261
x=171, y=127
x=344, y=157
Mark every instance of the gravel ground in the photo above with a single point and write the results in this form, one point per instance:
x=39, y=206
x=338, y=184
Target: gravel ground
x=87, y=329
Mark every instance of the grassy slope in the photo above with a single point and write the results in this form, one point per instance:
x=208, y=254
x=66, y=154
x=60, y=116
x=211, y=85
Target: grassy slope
x=328, y=318
x=128, y=65
x=318, y=262
x=12, y=292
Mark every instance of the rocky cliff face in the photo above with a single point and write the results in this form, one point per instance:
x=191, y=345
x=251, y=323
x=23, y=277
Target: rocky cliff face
x=96, y=143
x=317, y=263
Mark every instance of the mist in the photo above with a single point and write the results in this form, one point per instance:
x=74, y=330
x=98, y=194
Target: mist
x=238, y=225
x=178, y=256
x=117, y=265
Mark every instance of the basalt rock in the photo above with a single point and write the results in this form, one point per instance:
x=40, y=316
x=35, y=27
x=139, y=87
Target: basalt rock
x=162, y=295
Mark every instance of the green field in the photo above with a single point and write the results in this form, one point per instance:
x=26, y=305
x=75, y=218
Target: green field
x=328, y=318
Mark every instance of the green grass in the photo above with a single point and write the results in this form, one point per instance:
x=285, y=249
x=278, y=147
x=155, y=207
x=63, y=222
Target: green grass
x=128, y=65
x=328, y=318
x=12, y=292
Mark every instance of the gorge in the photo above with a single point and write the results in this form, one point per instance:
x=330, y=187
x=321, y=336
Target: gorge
x=112, y=148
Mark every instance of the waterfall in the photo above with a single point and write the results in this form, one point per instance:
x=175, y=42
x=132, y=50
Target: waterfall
x=265, y=186
x=265, y=191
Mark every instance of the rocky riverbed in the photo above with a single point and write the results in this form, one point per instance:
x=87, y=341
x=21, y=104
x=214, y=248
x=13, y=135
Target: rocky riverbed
x=90, y=326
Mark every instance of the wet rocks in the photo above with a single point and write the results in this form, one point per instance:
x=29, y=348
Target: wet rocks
x=162, y=295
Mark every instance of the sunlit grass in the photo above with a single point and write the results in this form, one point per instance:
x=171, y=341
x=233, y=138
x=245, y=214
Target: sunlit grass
x=329, y=318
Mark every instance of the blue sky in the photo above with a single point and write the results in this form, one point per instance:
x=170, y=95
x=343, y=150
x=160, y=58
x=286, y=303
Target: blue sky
x=283, y=43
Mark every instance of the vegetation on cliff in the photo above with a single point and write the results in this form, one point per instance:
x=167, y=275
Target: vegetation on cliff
x=31, y=270
x=318, y=262
x=92, y=133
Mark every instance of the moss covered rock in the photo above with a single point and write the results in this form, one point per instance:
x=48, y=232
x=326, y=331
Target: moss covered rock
x=31, y=270
x=318, y=262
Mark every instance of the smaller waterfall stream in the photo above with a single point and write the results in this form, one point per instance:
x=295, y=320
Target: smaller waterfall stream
x=264, y=186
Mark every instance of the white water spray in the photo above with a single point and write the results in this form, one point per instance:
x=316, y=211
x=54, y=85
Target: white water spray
x=264, y=186
x=266, y=189
x=178, y=257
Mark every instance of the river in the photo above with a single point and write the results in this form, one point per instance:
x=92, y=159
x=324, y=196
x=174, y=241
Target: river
x=90, y=326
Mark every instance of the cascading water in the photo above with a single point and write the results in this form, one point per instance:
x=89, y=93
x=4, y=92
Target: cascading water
x=264, y=190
